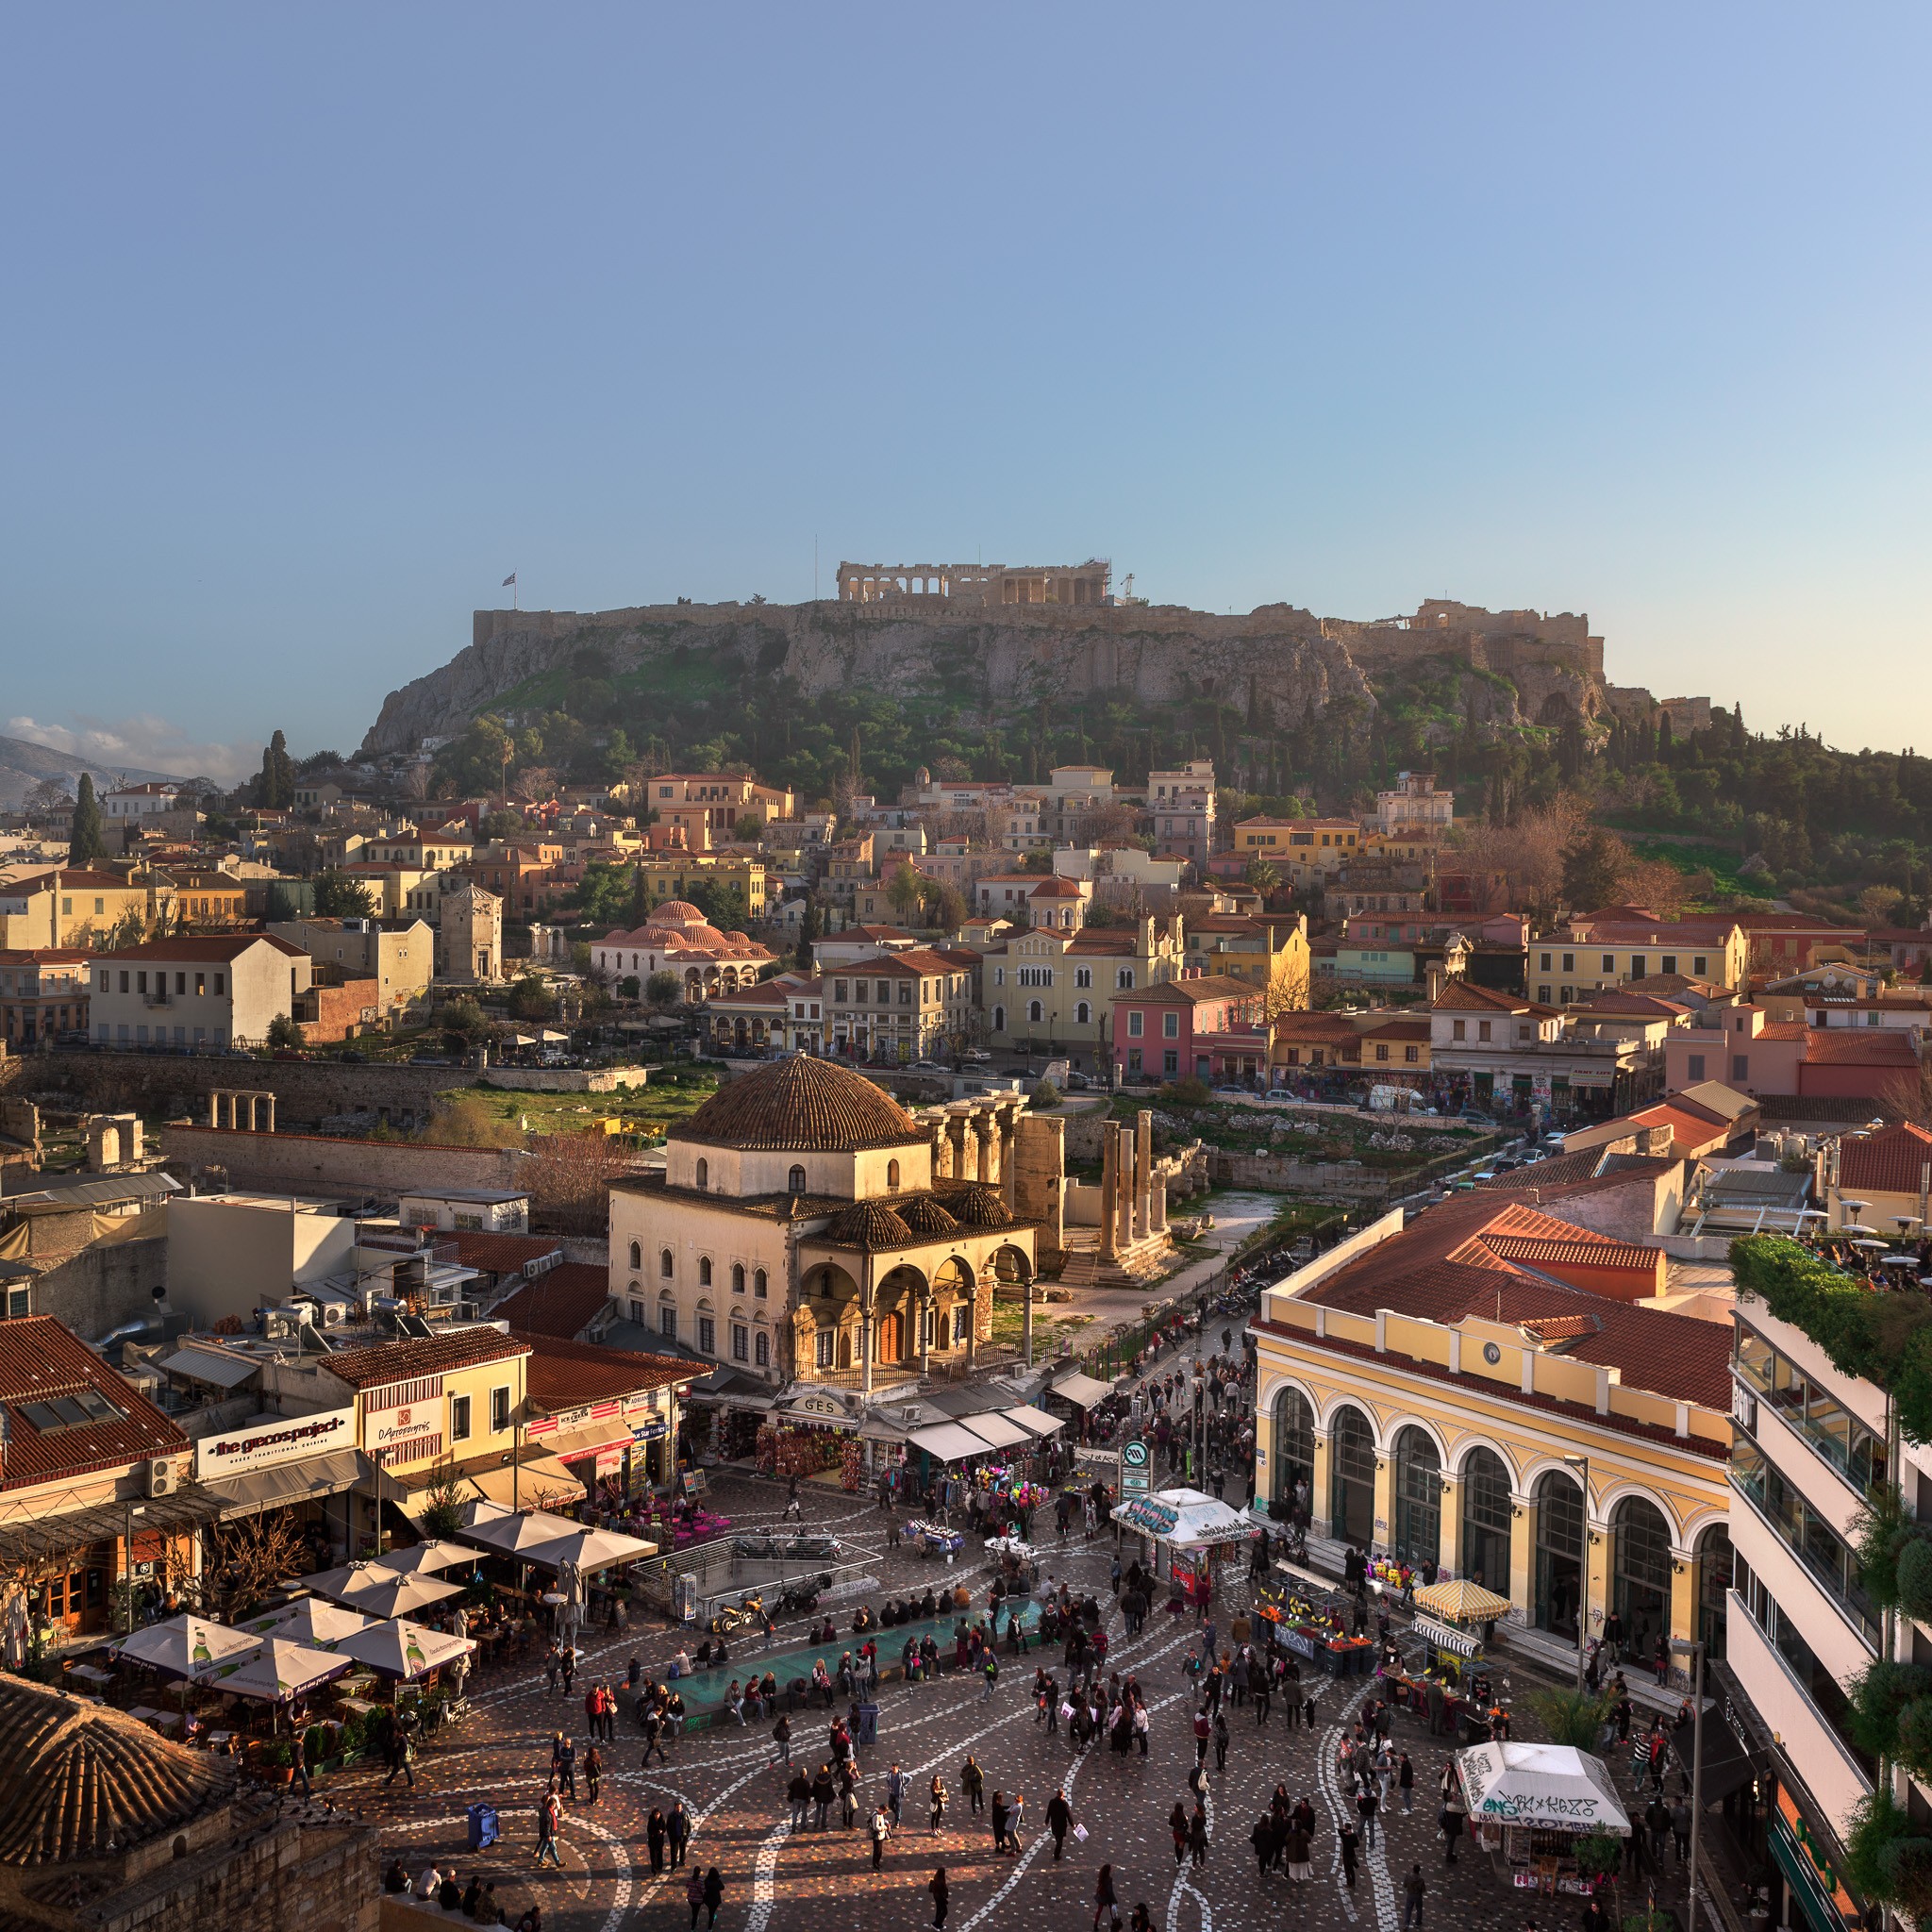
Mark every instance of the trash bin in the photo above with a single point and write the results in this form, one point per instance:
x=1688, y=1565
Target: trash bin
x=483, y=1830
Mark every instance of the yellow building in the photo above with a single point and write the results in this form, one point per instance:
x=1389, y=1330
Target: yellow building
x=671, y=875
x=1447, y=1391
x=70, y=909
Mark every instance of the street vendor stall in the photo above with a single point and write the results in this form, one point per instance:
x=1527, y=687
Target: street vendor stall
x=1534, y=1801
x=1199, y=1533
x=1315, y=1626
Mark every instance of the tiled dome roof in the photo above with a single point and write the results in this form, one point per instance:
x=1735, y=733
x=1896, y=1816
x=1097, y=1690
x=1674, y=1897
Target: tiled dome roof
x=979, y=1206
x=801, y=1104
x=924, y=1215
x=74, y=1776
x=869, y=1225
x=675, y=912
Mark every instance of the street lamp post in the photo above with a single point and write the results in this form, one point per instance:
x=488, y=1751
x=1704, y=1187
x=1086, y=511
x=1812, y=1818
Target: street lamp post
x=1685, y=1646
x=1582, y=1463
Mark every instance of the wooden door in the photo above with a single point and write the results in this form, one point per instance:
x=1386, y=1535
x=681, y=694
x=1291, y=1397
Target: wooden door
x=891, y=1336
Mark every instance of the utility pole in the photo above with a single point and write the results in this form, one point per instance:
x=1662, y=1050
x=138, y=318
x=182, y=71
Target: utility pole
x=1582, y=1462
x=1683, y=1646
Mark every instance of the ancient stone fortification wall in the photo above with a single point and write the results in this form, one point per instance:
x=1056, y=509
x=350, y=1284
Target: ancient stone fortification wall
x=320, y=1163
x=1021, y=655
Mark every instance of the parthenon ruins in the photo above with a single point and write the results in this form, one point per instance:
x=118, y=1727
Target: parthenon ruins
x=977, y=584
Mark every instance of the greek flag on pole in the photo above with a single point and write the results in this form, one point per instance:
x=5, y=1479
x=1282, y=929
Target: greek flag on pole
x=509, y=580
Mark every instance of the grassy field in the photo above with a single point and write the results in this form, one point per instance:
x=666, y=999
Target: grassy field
x=493, y=1115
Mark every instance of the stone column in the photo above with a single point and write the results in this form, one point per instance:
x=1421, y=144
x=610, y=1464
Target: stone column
x=1522, y=1513
x=1596, y=1563
x=1143, y=1172
x=1449, y=1544
x=1038, y=1168
x=1109, y=1191
x=214, y=1106
x=1159, y=1205
x=1382, y=1532
x=1321, y=1490
x=868, y=1310
x=1124, y=1168
x=1008, y=1116
x=957, y=1117
x=1682, y=1593
x=924, y=1317
x=988, y=1129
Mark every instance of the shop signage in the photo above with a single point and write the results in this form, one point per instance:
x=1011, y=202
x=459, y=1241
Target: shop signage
x=816, y=1405
x=1805, y=1864
x=280, y=1439
x=1136, y=1469
x=393, y=1427
x=649, y=1429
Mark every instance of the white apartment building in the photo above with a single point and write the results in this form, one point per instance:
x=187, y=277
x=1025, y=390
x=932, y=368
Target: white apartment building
x=1415, y=806
x=194, y=991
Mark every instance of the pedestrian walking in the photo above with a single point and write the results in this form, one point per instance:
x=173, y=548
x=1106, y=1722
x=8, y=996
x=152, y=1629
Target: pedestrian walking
x=1220, y=1740
x=895, y=1793
x=1060, y=1821
x=973, y=1782
x=936, y=1804
x=937, y=1886
x=1197, y=1832
x=1178, y=1827
x=1412, y=1889
x=1366, y=1805
x=822, y=1792
x=594, y=1770
x=714, y=1896
x=677, y=1832
x=549, y=1815
x=1105, y=1915
x=1450, y=1819
x=653, y=1840
x=1350, y=1842
x=694, y=1897
x=881, y=1831
x=781, y=1736
x=1016, y=1815
x=998, y=1820
x=799, y=1792
x=1405, y=1784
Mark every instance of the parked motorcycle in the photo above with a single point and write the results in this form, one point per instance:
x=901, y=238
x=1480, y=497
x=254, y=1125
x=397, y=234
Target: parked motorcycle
x=730, y=1617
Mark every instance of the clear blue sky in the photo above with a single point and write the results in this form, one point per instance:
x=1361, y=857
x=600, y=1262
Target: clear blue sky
x=319, y=321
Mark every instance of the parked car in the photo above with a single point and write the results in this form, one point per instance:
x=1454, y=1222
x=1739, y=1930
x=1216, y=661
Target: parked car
x=930, y=1067
x=976, y=1054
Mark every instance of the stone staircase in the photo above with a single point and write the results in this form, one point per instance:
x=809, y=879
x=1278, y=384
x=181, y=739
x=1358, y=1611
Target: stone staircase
x=1139, y=1266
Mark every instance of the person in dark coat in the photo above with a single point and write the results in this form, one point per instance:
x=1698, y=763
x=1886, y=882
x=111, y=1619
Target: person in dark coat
x=714, y=1896
x=1177, y=1826
x=1197, y=1832
x=937, y=1886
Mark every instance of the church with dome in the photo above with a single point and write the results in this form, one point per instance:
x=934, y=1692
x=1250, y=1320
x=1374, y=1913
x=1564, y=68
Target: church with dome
x=808, y=1230
x=677, y=938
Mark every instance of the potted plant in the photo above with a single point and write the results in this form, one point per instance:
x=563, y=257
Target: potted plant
x=278, y=1761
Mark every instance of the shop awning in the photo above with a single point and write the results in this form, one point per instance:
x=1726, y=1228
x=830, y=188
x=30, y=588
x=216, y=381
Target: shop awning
x=222, y=1370
x=286, y=1482
x=1082, y=1390
x=587, y=1441
x=949, y=1442
x=1034, y=1420
x=1555, y=1784
x=996, y=1429
x=540, y=1479
x=1444, y=1637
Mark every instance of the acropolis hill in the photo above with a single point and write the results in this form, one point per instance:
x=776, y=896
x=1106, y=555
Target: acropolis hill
x=1015, y=639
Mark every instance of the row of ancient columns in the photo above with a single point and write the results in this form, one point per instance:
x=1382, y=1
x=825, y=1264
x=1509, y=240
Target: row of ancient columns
x=972, y=1139
x=252, y=1113
x=1133, y=1198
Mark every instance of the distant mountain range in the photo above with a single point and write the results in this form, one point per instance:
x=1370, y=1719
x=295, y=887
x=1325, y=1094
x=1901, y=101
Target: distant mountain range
x=23, y=764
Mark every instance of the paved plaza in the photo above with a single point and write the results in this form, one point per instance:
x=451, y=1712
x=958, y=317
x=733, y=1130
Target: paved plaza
x=733, y=1790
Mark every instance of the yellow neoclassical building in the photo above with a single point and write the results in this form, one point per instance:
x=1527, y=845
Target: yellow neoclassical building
x=1448, y=1391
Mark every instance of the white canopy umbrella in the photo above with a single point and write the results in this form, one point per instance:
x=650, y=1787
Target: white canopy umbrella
x=1187, y=1517
x=184, y=1646
x=402, y=1649
x=391, y=1595
x=436, y=1554
x=339, y=1583
x=311, y=1621
x=1545, y=1785
x=589, y=1549
x=511, y=1531
x=276, y=1669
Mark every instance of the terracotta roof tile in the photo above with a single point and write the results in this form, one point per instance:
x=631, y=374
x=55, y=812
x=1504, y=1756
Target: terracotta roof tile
x=40, y=1360
x=562, y=1374
x=801, y=1104
x=402, y=1360
x=499, y=1254
x=1887, y=1163
x=561, y=1301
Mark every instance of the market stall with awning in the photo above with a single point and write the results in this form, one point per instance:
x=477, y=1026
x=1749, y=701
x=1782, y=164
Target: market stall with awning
x=511, y=1532
x=1197, y=1531
x=1082, y=1390
x=1036, y=1422
x=948, y=1441
x=590, y=1550
x=996, y=1430
x=534, y=1482
x=1532, y=1802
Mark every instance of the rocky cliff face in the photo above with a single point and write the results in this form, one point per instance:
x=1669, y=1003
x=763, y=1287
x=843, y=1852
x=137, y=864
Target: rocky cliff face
x=1284, y=658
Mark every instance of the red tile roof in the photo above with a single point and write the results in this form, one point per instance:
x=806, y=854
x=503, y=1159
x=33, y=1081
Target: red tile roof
x=561, y=1301
x=229, y=947
x=1858, y=1045
x=38, y=1360
x=383, y=1362
x=563, y=1373
x=1888, y=1163
x=499, y=1254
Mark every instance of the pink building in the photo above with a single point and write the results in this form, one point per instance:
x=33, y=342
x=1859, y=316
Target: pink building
x=1176, y=1031
x=1738, y=1047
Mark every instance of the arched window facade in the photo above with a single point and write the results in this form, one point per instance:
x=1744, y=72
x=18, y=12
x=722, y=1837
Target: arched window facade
x=637, y=1256
x=1559, y=1554
x=761, y=1349
x=1486, y=1514
x=1293, y=1451
x=891, y=1176
x=1640, y=1573
x=704, y=1171
x=738, y=1278
x=1713, y=1579
x=665, y=1264
x=704, y=1271
x=795, y=1180
x=1352, y=1483
x=1418, y=1496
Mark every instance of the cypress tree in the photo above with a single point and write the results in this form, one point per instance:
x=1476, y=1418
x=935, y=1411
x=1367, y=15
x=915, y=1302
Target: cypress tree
x=85, y=844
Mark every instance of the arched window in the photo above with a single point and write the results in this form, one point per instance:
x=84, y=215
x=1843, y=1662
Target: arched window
x=1035, y=1012
x=1083, y=1014
x=1293, y=1453
x=891, y=1176
x=1418, y=1496
x=1124, y=980
x=703, y=1173
x=1641, y=1573
x=637, y=1256
x=704, y=1271
x=758, y=1286
x=1352, y=1486
x=1487, y=1512
x=1559, y=1554
x=796, y=1181
x=665, y=1263
x=761, y=1349
x=999, y=1019
x=738, y=1278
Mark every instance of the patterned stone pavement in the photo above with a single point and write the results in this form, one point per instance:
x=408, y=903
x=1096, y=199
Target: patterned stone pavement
x=731, y=1785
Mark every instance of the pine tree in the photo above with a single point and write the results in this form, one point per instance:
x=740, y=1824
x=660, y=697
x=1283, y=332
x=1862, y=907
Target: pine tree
x=85, y=844
x=807, y=936
x=275, y=788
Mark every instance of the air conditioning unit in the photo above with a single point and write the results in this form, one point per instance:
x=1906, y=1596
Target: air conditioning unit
x=161, y=1476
